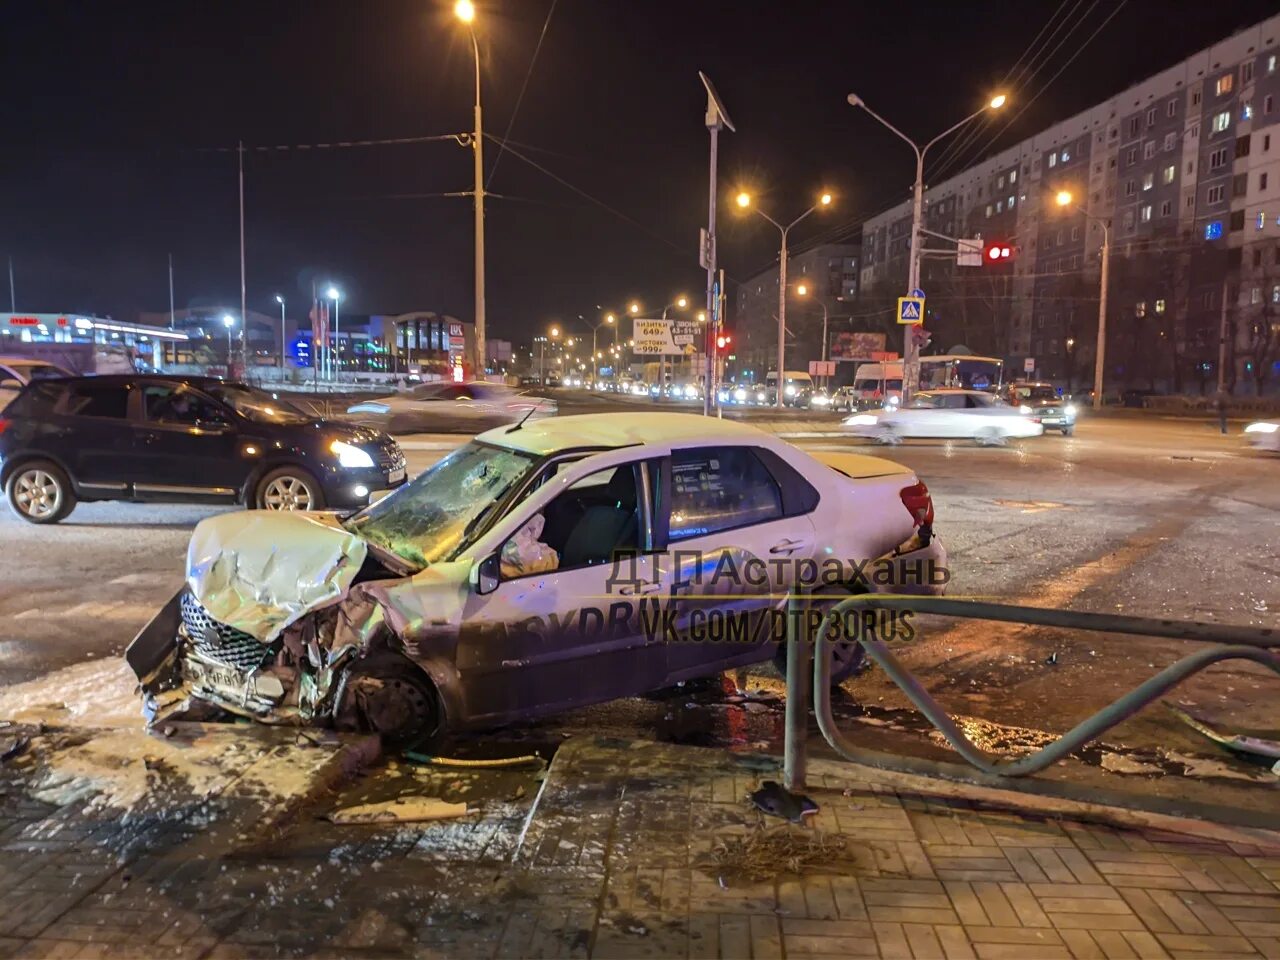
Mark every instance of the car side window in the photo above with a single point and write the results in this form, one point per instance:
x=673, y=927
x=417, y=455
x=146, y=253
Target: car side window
x=106, y=400
x=979, y=402
x=585, y=525
x=166, y=404
x=719, y=488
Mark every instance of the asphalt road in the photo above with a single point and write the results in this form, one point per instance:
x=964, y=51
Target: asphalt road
x=1144, y=516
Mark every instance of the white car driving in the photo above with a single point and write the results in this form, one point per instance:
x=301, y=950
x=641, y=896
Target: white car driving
x=433, y=405
x=539, y=568
x=17, y=372
x=1264, y=435
x=947, y=414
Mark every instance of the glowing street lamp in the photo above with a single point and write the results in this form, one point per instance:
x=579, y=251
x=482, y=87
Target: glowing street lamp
x=744, y=201
x=910, y=353
x=229, y=322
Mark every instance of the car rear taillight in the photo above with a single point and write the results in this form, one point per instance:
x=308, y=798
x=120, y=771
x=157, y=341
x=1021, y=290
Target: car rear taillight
x=918, y=503
x=4, y=424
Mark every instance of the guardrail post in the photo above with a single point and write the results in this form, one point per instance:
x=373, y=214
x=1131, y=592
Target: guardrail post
x=799, y=666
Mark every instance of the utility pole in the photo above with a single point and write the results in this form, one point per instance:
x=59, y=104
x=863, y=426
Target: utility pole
x=172, y=324
x=244, y=316
x=13, y=297
x=1222, y=340
x=716, y=117
x=1100, y=361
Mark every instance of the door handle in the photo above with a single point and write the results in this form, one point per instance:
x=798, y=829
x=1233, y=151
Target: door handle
x=787, y=546
x=627, y=590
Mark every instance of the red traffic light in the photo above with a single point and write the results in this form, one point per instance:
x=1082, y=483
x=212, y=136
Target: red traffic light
x=723, y=340
x=998, y=251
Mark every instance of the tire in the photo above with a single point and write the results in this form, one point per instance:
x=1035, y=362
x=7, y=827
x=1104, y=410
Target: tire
x=847, y=659
x=1067, y=431
x=39, y=491
x=990, y=437
x=388, y=695
x=288, y=488
x=888, y=436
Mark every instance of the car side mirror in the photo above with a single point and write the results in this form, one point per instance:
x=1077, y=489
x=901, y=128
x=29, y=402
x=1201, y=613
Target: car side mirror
x=486, y=575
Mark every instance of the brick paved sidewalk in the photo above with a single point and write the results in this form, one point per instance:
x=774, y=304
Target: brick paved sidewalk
x=618, y=859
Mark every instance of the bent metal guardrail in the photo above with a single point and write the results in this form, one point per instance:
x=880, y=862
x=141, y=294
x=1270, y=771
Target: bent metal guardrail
x=1229, y=643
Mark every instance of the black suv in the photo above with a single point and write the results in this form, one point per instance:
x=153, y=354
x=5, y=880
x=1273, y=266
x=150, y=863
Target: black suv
x=182, y=439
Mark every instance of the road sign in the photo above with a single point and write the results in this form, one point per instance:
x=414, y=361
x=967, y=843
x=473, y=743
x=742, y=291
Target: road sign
x=969, y=252
x=918, y=293
x=1029, y=365
x=910, y=310
x=822, y=368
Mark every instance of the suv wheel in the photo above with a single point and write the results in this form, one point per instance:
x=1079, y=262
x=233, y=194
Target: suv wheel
x=289, y=488
x=40, y=492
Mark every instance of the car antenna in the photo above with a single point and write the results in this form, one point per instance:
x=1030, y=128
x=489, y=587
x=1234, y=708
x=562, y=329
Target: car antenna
x=525, y=417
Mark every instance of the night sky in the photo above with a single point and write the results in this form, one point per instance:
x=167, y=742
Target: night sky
x=109, y=112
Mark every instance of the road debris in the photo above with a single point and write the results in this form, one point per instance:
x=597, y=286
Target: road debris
x=402, y=810
x=775, y=799
x=460, y=762
x=764, y=854
x=1237, y=743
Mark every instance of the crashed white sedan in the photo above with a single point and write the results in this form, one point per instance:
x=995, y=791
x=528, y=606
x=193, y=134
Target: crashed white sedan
x=431, y=405
x=948, y=414
x=540, y=567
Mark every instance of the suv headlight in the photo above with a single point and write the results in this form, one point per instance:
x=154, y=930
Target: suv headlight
x=350, y=456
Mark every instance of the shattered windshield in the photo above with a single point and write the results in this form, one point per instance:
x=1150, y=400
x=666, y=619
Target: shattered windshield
x=434, y=517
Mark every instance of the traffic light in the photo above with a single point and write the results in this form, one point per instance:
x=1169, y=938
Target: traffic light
x=997, y=252
x=723, y=341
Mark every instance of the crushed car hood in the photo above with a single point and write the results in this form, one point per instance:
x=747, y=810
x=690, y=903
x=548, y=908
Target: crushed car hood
x=260, y=571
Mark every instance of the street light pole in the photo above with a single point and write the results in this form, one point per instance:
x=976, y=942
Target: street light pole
x=1064, y=199
x=280, y=300
x=910, y=354
x=244, y=352
x=466, y=12
x=744, y=200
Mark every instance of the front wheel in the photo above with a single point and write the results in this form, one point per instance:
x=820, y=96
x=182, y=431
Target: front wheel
x=388, y=695
x=888, y=436
x=289, y=488
x=1067, y=431
x=41, y=492
x=990, y=437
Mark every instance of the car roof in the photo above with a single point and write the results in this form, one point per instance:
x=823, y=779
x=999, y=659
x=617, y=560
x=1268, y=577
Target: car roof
x=982, y=393
x=553, y=434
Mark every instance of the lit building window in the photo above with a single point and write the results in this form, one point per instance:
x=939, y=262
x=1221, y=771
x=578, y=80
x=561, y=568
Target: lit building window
x=1262, y=221
x=1169, y=172
x=1148, y=181
x=1053, y=159
x=1223, y=85
x=1140, y=308
x=1159, y=306
x=1221, y=121
x=1146, y=213
x=1213, y=230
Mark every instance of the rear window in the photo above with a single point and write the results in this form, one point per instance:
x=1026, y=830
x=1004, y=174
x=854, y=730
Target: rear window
x=37, y=401
x=107, y=400
x=719, y=488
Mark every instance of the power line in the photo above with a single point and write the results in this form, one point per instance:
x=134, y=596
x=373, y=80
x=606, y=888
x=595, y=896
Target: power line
x=598, y=202
x=502, y=145
x=967, y=136
x=1070, y=60
x=341, y=144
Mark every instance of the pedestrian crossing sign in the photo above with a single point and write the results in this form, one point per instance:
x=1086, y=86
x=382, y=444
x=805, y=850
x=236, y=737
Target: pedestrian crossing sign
x=910, y=310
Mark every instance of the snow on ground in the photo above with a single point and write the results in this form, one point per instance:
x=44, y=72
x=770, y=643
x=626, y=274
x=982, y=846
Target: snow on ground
x=96, y=693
